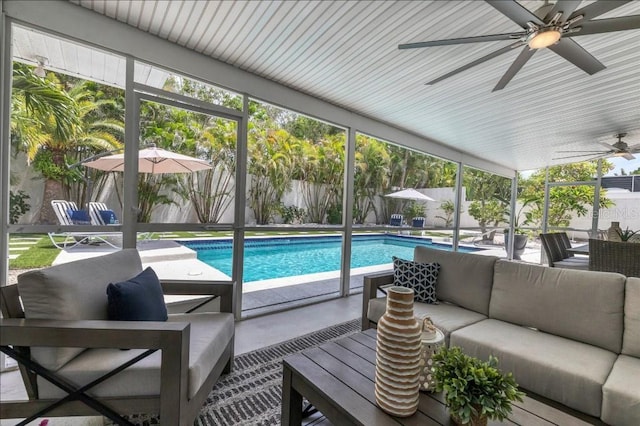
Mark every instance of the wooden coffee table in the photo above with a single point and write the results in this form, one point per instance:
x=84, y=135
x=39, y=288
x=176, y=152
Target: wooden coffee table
x=337, y=378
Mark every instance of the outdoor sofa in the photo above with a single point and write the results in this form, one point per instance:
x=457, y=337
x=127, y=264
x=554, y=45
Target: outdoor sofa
x=60, y=320
x=568, y=335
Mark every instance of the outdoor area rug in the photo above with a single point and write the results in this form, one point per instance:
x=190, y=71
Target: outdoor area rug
x=251, y=394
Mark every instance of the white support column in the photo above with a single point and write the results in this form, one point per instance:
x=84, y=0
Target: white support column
x=131, y=138
x=5, y=148
x=512, y=223
x=545, y=212
x=347, y=212
x=458, y=207
x=240, y=204
x=595, y=218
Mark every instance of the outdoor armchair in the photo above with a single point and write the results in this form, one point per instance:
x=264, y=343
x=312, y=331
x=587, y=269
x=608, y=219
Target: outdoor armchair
x=72, y=358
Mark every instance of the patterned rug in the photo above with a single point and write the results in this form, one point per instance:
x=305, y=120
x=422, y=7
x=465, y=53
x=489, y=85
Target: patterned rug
x=251, y=395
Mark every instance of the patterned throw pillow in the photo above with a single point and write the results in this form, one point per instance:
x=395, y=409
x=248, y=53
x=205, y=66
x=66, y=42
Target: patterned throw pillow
x=421, y=277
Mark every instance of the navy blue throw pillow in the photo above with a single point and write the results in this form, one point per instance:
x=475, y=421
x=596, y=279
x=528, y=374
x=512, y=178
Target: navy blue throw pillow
x=138, y=299
x=108, y=217
x=79, y=217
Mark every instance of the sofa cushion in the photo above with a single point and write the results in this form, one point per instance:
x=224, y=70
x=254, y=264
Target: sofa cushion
x=421, y=277
x=210, y=334
x=464, y=279
x=582, y=305
x=73, y=291
x=138, y=299
x=560, y=369
x=621, y=393
x=631, y=337
x=445, y=316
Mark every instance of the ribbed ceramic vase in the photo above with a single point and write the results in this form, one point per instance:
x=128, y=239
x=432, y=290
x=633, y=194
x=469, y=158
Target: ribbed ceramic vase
x=612, y=232
x=398, y=354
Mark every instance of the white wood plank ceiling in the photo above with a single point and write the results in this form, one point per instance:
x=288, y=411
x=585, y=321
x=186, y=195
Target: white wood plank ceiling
x=345, y=52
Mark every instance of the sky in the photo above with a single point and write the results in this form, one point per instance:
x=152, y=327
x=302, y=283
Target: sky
x=627, y=165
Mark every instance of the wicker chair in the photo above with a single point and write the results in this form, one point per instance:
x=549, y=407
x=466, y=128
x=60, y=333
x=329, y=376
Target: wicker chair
x=614, y=256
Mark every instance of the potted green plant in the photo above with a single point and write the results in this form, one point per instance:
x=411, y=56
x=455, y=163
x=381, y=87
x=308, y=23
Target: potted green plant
x=475, y=390
x=627, y=234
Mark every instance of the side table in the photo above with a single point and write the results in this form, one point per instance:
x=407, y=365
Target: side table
x=429, y=347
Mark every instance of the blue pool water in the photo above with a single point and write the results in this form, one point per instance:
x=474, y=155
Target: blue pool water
x=266, y=258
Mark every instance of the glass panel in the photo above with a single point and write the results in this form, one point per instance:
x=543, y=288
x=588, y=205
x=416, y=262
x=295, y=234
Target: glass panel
x=62, y=115
x=485, y=211
x=398, y=197
x=295, y=169
x=159, y=78
x=570, y=206
x=187, y=166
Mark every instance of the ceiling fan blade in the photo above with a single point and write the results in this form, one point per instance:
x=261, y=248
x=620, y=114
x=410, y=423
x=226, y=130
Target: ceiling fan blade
x=517, y=13
x=599, y=8
x=635, y=149
x=473, y=64
x=464, y=40
x=628, y=156
x=574, y=53
x=565, y=6
x=522, y=59
x=608, y=25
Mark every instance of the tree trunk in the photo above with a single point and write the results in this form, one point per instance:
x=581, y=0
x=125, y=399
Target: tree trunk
x=52, y=191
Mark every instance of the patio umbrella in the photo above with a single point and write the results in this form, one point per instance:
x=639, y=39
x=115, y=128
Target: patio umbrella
x=152, y=160
x=410, y=194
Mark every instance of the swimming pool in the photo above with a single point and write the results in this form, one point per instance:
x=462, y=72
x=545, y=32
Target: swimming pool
x=267, y=258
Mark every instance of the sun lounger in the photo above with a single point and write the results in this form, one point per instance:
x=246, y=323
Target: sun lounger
x=68, y=214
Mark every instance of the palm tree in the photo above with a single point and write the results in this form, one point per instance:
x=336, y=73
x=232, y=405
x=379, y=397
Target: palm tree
x=372, y=163
x=271, y=165
x=52, y=124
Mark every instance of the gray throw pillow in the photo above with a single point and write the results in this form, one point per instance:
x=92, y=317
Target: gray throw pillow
x=421, y=277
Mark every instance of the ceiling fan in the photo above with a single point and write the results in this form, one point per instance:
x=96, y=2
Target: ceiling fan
x=618, y=149
x=551, y=27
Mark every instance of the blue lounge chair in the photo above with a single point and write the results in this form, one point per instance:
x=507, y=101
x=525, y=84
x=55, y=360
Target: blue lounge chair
x=396, y=220
x=418, y=222
x=68, y=213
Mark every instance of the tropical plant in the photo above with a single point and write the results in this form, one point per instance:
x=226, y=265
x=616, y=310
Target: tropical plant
x=414, y=209
x=291, y=214
x=489, y=195
x=473, y=388
x=271, y=165
x=448, y=208
x=211, y=191
x=371, y=176
x=627, y=234
x=564, y=201
x=18, y=205
x=322, y=170
x=56, y=126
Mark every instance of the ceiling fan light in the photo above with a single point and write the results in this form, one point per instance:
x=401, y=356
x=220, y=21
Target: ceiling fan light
x=620, y=154
x=544, y=38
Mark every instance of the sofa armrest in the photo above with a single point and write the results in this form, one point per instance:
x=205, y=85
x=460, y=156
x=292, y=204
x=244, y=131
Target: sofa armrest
x=371, y=284
x=224, y=289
